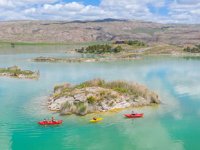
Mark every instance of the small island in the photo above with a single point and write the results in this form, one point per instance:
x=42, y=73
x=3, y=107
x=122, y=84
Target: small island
x=67, y=60
x=80, y=60
x=16, y=72
x=99, y=96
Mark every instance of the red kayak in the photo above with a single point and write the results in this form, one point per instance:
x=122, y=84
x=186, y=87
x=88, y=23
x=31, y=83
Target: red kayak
x=134, y=115
x=50, y=122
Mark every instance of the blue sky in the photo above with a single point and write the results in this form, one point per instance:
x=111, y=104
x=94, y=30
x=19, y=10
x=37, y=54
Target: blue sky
x=163, y=11
x=86, y=2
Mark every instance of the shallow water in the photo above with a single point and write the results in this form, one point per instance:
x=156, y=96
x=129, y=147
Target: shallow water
x=172, y=126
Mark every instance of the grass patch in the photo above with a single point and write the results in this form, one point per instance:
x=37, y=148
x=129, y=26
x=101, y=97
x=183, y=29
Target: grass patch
x=91, y=99
x=118, y=86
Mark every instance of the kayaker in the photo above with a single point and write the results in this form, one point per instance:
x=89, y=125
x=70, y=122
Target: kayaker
x=132, y=113
x=94, y=118
x=52, y=119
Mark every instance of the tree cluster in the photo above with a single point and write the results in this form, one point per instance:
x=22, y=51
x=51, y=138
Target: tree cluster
x=135, y=43
x=195, y=49
x=100, y=49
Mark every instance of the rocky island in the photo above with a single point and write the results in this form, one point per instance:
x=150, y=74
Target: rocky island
x=99, y=96
x=16, y=72
x=59, y=60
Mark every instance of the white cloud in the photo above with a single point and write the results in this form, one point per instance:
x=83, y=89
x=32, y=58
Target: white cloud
x=21, y=4
x=74, y=6
x=178, y=10
x=24, y=2
x=6, y=3
x=183, y=11
x=189, y=2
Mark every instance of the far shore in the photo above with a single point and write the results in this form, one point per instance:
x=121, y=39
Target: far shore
x=128, y=52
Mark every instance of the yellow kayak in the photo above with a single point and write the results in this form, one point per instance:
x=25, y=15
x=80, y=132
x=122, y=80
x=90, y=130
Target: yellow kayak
x=97, y=120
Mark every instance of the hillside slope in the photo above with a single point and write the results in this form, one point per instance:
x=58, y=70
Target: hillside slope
x=70, y=32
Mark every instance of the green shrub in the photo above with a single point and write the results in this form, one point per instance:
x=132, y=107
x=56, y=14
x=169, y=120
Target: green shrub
x=117, y=49
x=121, y=90
x=111, y=103
x=91, y=99
x=136, y=43
x=66, y=105
x=81, y=108
x=102, y=93
x=100, y=49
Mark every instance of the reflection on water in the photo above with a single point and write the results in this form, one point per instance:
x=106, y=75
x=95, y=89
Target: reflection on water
x=168, y=126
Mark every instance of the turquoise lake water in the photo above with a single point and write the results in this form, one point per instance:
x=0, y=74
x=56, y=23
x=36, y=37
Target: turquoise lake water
x=174, y=125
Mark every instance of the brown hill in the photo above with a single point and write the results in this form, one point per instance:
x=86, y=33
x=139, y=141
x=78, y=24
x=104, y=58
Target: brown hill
x=90, y=31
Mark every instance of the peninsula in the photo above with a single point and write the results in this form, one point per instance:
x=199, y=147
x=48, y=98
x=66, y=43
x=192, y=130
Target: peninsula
x=99, y=96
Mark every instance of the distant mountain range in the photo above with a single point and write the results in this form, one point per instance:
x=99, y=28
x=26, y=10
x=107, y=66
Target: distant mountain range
x=98, y=30
x=101, y=20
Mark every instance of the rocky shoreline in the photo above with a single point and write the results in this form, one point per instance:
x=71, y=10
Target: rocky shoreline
x=16, y=72
x=99, y=96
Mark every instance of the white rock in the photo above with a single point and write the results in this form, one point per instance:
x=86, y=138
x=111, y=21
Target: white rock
x=81, y=97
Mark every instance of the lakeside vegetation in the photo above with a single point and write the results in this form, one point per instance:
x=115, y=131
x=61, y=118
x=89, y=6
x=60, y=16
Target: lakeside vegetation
x=116, y=47
x=124, y=50
x=132, y=43
x=100, y=49
x=136, y=43
x=195, y=49
x=16, y=72
x=99, y=95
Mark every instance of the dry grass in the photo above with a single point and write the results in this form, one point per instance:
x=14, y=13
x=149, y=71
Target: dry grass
x=164, y=49
x=118, y=86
